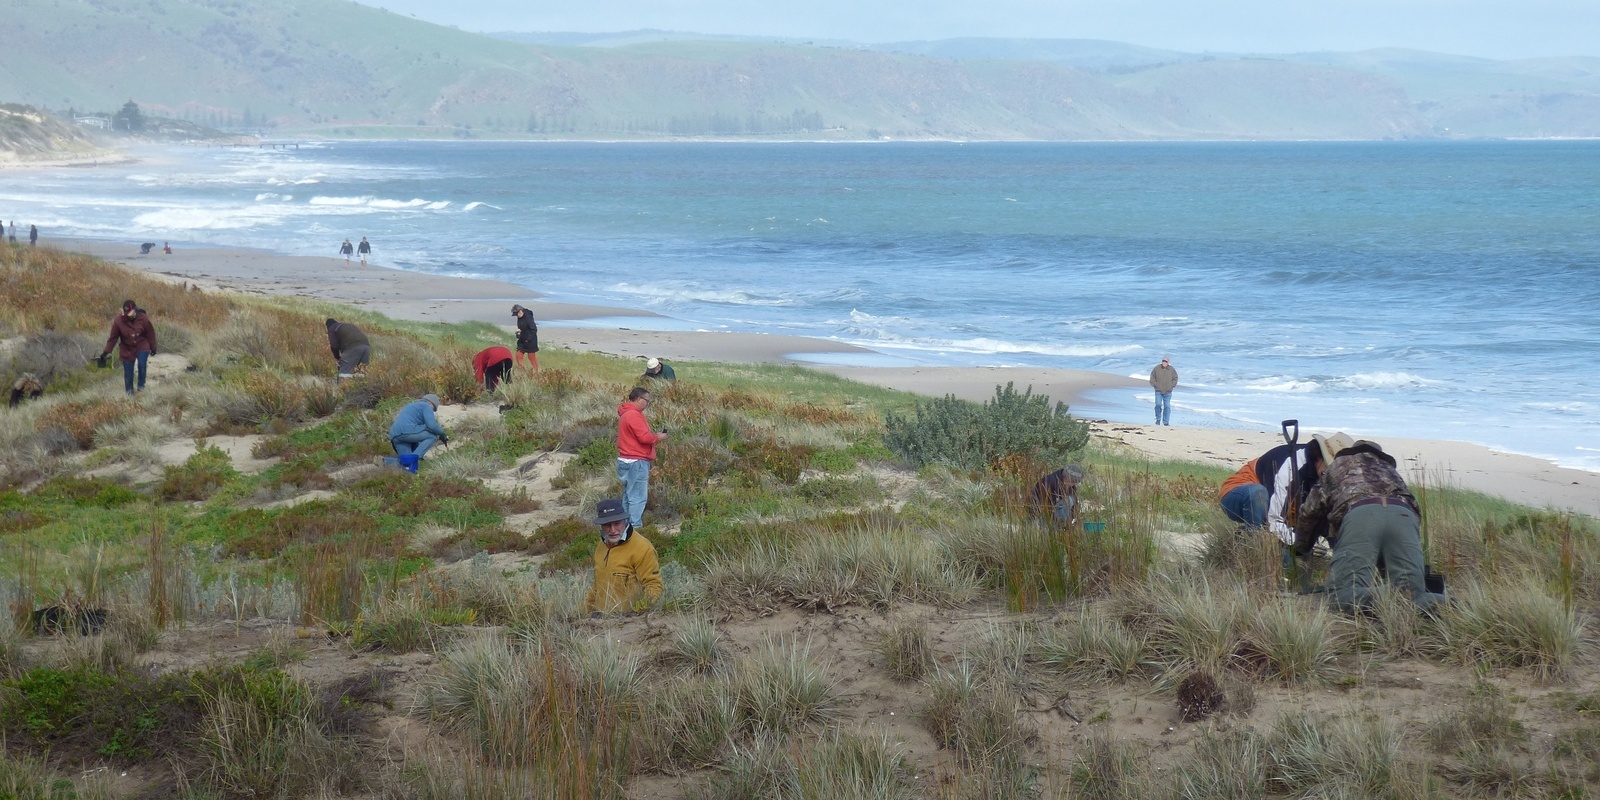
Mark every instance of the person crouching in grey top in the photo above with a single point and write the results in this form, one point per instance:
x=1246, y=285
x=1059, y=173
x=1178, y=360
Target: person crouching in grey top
x=349, y=347
x=1164, y=379
x=1362, y=505
x=416, y=428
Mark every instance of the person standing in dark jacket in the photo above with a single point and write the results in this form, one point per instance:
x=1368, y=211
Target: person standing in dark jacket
x=33, y=235
x=349, y=347
x=1164, y=379
x=1369, y=516
x=364, y=249
x=134, y=336
x=527, y=336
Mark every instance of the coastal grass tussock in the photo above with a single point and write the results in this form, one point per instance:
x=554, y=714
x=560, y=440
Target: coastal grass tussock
x=1188, y=625
x=697, y=648
x=973, y=718
x=1092, y=648
x=781, y=689
x=1515, y=624
x=1291, y=641
x=905, y=650
x=839, y=765
x=1107, y=768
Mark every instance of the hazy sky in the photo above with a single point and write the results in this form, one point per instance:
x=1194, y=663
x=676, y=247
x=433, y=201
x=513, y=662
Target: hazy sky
x=1492, y=28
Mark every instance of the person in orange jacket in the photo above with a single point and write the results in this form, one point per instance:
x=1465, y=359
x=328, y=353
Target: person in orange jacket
x=627, y=574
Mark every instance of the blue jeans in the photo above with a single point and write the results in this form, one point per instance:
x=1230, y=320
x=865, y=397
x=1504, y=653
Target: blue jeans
x=1246, y=505
x=1163, y=408
x=635, y=477
x=413, y=443
x=141, y=360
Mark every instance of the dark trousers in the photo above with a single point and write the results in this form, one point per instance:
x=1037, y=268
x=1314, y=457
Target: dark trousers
x=1369, y=534
x=497, y=372
x=140, y=362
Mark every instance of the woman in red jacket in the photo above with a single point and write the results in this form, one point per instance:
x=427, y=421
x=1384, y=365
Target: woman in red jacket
x=492, y=365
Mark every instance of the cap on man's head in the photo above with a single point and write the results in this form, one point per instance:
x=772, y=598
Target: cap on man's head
x=1332, y=445
x=331, y=323
x=431, y=399
x=515, y=308
x=128, y=305
x=652, y=363
x=608, y=511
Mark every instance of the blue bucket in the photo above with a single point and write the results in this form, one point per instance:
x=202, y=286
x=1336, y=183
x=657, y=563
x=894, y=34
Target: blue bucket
x=1093, y=527
x=409, y=461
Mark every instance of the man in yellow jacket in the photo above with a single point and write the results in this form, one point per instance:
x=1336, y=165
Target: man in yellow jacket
x=627, y=575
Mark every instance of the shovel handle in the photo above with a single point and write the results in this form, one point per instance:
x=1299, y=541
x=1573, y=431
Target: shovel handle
x=1291, y=438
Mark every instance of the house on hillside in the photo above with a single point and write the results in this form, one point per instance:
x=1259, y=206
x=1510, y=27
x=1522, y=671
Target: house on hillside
x=93, y=122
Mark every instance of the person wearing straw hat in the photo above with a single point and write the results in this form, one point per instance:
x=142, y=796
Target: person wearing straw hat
x=1369, y=517
x=1257, y=496
x=627, y=574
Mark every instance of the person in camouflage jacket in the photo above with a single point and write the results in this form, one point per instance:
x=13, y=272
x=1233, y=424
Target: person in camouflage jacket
x=1370, y=517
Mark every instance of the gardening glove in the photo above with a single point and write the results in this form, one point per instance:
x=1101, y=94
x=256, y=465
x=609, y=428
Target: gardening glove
x=444, y=438
x=101, y=361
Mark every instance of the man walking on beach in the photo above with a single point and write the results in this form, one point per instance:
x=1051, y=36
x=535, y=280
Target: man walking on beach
x=627, y=574
x=134, y=336
x=345, y=250
x=1164, y=378
x=1370, y=516
x=364, y=249
x=33, y=235
x=349, y=346
x=636, y=449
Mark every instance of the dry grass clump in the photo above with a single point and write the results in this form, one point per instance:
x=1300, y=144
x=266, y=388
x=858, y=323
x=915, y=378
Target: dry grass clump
x=1340, y=756
x=1107, y=768
x=974, y=718
x=1515, y=624
x=1189, y=624
x=1291, y=640
x=399, y=625
x=26, y=778
x=82, y=419
x=1224, y=765
x=1092, y=648
x=835, y=767
x=262, y=738
x=906, y=652
x=693, y=723
x=781, y=689
x=696, y=648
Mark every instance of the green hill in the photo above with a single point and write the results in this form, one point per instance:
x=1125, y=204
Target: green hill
x=339, y=68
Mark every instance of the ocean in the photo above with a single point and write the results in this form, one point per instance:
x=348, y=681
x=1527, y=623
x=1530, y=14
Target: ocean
x=1429, y=290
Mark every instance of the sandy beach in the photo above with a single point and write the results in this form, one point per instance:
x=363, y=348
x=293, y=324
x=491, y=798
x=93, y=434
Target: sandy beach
x=630, y=332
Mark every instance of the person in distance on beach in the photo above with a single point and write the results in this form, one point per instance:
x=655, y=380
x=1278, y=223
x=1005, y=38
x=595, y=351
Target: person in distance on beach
x=527, y=336
x=13, y=231
x=1164, y=379
x=636, y=449
x=364, y=249
x=627, y=574
x=1368, y=515
x=656, y=369
x=492, y=365
x=349, y=346
x=33, y=235
x=134, y=336
x=1258, y=494
x=416, y=428
x=166, y=247
x=346, y=250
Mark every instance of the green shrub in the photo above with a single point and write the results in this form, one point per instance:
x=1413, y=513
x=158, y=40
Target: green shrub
x=959, y=433
x=87, y=492
x=203, y=473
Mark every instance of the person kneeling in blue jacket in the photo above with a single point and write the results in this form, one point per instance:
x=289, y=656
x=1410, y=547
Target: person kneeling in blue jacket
x=415, y=428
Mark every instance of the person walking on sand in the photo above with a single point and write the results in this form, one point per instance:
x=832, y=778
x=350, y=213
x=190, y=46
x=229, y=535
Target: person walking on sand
x=627, y=573
x=345, y=250
x=636, y=449
x=134, y=336
x=349, y=346
x=33, y=235
x=1164, y=379
x=527, y=336
x=13, y=231
x=416, y=428
x=364, y=249
x=1368, y=515
x=492, y=365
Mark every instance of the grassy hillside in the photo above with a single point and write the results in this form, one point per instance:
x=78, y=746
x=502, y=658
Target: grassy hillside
x=26, y=134
x=252, y=608
x=341, y=68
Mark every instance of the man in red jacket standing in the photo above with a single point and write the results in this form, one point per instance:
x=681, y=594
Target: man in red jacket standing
x=134, y=336
x=636, y=448
x=492, y=365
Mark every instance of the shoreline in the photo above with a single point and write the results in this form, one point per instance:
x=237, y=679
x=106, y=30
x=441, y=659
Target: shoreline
x=402, y=294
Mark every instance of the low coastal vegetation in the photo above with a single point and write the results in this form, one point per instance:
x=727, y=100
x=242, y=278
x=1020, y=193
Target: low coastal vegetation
x=215, y=593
